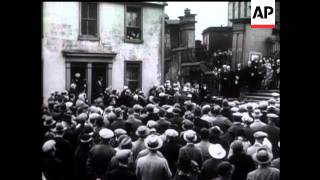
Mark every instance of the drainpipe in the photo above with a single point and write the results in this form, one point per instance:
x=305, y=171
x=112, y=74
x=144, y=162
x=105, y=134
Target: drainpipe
x=162, y=46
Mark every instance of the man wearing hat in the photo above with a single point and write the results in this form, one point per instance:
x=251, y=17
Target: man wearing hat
x=170, y=148
x=163, y=124
x=81, y=156
x=257, y=123
x=209, y=168
x=190, y=151
x=64, y=149
x=52, y=167
x=132, y=124
x=276, y=161
x=204, y=144
x=205, y=114
x=261, y=140
x=151, y=114
x=122, y=171
x=217, y=138
x=151, y=166
x=263, y=157
x=142, y=132
x=273, y=133
x=119, y=121
x=243, y=163
x=100, y=155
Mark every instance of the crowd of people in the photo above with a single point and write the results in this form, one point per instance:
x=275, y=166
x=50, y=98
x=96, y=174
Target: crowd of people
x=176, y=132
x=259, y=74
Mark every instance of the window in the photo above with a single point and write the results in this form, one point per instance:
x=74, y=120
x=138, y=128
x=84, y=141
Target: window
x=133, y=75
x=245, y=9
x=89, y=21
x=133, y=22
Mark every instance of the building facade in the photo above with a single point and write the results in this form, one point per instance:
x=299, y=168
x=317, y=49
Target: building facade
x=217, y=39
x=247, y=42
x=180, y=57
x=122, y=43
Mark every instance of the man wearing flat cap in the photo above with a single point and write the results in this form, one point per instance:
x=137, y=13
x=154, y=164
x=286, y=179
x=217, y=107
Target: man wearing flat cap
x=64, y=150
x=257, y=123
x=132, y=124
x=142, y=132
x=170, y=148
x=52, y=167
x=100, y=155
x=119, y=122
x=81, y=157
x=190, y=151
x=122, y=171
x=261, y=140
x=273, y=133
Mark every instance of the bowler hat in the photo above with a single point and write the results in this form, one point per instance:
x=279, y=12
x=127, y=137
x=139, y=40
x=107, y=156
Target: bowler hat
x=59, y=128
x=118, y=132
x=153, y=142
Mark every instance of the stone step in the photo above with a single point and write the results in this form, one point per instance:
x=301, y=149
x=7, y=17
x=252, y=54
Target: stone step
x=257, y=97
x=258, y=94
x=269, y=91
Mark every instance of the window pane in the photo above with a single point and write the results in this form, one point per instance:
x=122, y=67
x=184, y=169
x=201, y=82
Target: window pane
x=84, y=27
x=93, y=10
x=133, y=75
x=92, y=27
x=84, y=10
x=132, y=18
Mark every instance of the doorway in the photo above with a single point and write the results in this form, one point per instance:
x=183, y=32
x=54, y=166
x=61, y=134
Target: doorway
x=99, y=79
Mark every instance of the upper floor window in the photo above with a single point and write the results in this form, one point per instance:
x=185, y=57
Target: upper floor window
x=89, y=21
x=133, y=22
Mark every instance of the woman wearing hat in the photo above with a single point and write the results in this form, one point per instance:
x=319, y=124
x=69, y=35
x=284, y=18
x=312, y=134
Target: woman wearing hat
x=263, y=157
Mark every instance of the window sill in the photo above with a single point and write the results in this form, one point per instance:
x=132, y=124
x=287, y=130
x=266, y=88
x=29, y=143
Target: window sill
x=88, y=38
x=136, y=41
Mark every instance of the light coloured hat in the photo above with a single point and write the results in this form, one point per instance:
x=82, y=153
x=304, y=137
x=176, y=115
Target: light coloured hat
x=118, y=132
x=152, y=123
x=237, y=114
x=217, y=151
x=262, y=156
x=49, y=145
x=272, y=116
x=153, y=142
x=171, y=133
x=234, y=109
x=190, y=136
x=162, y=94
x=246, y=118
x=106, y=133
x=142, y=131
x=260, y=134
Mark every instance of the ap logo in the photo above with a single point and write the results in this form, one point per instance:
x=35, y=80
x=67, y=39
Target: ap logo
x=263, y=14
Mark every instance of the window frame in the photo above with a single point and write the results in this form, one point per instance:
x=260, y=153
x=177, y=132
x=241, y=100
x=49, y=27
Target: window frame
x=139, y=63
x=84, y=36
x=140, y=7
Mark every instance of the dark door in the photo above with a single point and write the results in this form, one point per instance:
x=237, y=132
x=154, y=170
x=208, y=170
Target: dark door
x=99, y=78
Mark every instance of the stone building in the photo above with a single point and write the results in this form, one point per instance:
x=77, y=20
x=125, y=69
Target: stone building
x=122, y=43
x=217, y=38
x=247, y=42
x=180, y=57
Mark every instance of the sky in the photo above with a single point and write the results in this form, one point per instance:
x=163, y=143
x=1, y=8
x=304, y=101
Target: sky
x=208, y=13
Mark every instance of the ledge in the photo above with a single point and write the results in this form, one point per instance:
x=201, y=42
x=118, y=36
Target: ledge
x=83, y=53
x=135, y=41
